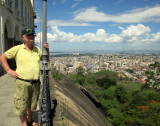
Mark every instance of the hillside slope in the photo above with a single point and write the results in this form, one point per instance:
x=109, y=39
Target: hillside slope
x=73, y=108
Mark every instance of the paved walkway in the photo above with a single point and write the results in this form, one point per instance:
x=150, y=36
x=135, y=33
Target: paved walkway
x=7, y=89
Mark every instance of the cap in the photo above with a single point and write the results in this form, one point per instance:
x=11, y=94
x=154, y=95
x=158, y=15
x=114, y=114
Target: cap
x=28, y=31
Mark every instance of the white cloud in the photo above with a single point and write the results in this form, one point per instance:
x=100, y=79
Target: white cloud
x=155, y=37
x=84, y=17
x=38, y=37
x=120, y=1
x=74, y=5
x=114, y=38
x=133, y=16
x=121, y=28
x=101, y=32
x=78, y=0
x=89, y=14
x=67, y=23
x=38, y=20
x=133, y=34
x=50, y=37
x=137, y=30
x=64, y=1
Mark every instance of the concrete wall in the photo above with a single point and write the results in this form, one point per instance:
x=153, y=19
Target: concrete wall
x=13, y=19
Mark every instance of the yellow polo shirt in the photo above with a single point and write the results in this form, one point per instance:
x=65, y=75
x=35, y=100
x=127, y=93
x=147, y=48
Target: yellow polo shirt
x=27, y=61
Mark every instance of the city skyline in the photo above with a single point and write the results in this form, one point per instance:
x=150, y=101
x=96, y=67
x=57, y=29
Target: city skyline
x=81, y=25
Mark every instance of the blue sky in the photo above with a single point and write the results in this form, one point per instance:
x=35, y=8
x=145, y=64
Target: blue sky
x=87, y=25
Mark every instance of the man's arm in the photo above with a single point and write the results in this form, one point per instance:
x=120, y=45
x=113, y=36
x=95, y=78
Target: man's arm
x=3, y=59
x=46, y=46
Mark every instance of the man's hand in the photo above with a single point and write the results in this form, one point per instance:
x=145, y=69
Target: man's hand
x=46, y=45
x=12, y=73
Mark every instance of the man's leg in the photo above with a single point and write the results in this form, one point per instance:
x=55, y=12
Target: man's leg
x=30, y=112
x=30, y=115
x=33, y=103
x=23, y=119
x=21, y=100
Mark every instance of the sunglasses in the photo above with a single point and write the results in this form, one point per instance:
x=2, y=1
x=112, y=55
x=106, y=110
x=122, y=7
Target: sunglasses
x=31, y=35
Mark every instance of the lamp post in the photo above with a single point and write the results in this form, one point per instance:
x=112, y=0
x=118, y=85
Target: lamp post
x=44, y=114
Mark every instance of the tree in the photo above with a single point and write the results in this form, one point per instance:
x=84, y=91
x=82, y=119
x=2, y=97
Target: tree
x=56, y=74
x=153, y=76
x=121, y=94
x=130, y=70
x=80, y=75
x=106, y=82
x=117, y=117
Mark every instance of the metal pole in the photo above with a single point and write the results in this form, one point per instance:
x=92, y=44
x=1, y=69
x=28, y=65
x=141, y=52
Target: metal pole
x=44, y=115
x=44, y=23
x=44, y=31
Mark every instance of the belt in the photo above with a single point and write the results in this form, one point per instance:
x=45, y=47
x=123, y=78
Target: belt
x=31, y=81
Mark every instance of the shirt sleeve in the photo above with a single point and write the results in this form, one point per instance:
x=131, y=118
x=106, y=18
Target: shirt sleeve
x=11, y=53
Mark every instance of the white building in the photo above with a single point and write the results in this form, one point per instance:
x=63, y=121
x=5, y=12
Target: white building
x=15, y=15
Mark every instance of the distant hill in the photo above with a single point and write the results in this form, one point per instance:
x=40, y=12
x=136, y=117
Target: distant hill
x=99, y=52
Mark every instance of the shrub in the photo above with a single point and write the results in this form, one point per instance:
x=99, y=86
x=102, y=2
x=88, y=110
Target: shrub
x=57, y=75
x=117, y=117
x=106, y=82
x=121, y=94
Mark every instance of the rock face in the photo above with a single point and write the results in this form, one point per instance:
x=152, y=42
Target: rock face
x=72, y=107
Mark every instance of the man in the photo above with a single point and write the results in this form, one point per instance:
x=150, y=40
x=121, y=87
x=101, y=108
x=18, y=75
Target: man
x=27, y=57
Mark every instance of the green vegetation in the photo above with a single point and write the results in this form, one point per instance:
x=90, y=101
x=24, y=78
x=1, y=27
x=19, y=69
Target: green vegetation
x=153, y=77
x=130, y=70
x=55, y=74
x=79, y=78
x=125, y=102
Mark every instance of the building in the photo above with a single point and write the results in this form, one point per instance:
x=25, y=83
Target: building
x=15, y=15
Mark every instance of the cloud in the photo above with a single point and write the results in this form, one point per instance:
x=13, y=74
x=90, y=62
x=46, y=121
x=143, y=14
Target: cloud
x=64, y=1
x=120, y=1
x=89, y=14
x=74, y=5
x=67, y=23
x=38, y=37
x=78, y=0
x=121, y=28
x=37, y=20
x=54, y=3
x=85, y=17
x=146, y=14
x=137, y=30
x=50, y=37
x=133, y=34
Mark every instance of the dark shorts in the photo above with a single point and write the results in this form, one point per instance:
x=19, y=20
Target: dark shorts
x=26, y=96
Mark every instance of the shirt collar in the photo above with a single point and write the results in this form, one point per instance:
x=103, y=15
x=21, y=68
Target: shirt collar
x=24, y=47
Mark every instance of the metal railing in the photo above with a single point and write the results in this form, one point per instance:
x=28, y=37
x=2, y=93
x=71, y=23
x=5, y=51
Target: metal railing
x=44, y=117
